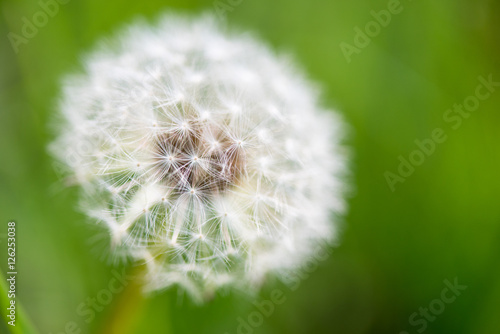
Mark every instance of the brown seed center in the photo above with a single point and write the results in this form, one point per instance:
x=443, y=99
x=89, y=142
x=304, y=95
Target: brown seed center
x=198, y=157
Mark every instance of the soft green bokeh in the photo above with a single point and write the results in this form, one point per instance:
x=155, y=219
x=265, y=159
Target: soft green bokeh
x=397, y=247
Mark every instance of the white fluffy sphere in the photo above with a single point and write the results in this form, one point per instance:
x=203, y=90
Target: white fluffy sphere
x=202, y=153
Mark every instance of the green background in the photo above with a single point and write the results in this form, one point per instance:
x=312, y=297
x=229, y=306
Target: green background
x=397, y=247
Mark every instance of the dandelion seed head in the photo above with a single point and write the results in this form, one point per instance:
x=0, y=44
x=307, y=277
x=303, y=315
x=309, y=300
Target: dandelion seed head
x=203, y=154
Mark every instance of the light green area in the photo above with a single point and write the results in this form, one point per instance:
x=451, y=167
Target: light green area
x=397, y=247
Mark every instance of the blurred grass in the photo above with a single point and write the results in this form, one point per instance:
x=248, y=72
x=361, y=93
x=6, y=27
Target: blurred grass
x=397, y=248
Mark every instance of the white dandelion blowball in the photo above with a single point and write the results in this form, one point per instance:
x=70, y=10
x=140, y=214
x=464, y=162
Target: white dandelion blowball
x=203, y=154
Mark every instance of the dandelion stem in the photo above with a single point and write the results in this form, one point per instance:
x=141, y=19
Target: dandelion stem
x=131, y=312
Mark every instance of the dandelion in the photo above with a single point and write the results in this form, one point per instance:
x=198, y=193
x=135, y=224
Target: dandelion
x=204, y=155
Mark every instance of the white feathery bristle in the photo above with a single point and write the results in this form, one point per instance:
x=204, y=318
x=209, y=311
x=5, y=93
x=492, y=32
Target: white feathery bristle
x=203, y=154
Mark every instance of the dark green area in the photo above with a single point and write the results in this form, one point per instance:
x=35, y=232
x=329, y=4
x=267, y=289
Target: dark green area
x=397, y=246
